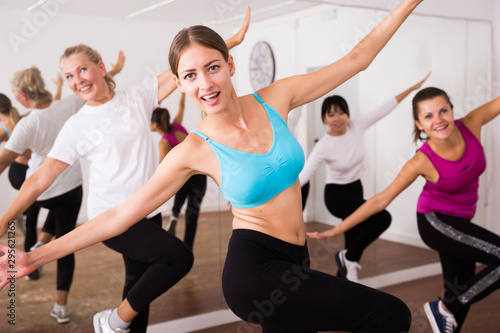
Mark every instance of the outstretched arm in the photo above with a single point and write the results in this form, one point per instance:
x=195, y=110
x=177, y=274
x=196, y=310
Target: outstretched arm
x=59, y=83
x=166, y=83
x=117, y=68
x=416, y=86
x=31, y=190
x=380, y=201
x=295, y=91
x=475, y=119
x=172, y=173
x=180, y=113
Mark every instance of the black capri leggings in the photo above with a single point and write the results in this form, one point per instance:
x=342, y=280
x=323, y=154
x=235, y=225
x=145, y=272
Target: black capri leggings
x=64, y=210
x=461, y=244
x=194, y=189
x=154, y=261
x=342, y=201
x=268, y=282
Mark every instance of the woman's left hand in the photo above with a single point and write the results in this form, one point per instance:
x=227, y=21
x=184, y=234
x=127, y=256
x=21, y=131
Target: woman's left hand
x=331, y=233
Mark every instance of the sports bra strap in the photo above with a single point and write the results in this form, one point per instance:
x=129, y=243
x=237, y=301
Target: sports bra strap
x=257, y=97
x=203, y=136
x=6, y=130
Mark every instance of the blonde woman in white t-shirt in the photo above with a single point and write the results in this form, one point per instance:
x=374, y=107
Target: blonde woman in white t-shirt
x=341, y=149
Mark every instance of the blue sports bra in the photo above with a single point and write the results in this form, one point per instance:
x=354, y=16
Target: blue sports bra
x=249, y=180
x=6, y=131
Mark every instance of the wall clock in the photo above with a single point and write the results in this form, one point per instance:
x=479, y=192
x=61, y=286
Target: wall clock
x=262, y=65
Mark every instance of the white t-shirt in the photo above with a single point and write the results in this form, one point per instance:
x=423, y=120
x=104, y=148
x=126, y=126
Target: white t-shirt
x=116, y=141
x=343, y=155
x=38, y=131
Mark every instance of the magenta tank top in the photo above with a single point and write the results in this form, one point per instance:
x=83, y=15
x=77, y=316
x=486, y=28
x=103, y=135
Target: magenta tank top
x=455, y=193
x=170, y=135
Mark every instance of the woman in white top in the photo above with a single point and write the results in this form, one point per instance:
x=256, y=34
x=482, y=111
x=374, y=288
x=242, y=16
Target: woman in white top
x=112, y=132
x=37, y=132
x=244, y=145
x=341, y=149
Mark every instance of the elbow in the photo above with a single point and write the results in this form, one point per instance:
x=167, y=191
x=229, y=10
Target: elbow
x=359, y=61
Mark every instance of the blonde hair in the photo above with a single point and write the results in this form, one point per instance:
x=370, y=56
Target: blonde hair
x=30, y=82
x=92, y=55
x=8, y=110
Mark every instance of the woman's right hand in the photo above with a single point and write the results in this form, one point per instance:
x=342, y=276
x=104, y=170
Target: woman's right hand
x=330, y=233
x=13, y=265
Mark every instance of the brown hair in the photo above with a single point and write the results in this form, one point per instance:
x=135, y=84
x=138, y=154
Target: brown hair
x=7, y=109
x=92, y=55
x=30, y=82
x=197, y=34
x=161, y=117
x=424, y=95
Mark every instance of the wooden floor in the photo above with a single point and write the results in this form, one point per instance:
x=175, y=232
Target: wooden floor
x=99, y=279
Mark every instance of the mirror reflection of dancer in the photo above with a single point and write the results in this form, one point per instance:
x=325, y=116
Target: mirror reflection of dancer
x=245, y=146
x=112, y=132
x=451, y=160
x=195, y=188
x=63, y=199
x=341, y=149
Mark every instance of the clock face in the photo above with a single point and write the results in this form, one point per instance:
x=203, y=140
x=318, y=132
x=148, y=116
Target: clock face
x=262, y=66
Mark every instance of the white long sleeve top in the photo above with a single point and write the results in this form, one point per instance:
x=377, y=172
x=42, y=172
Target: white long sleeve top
x=343, y=155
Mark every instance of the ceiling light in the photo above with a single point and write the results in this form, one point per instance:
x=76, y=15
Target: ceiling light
x=35, y=5
x=254, y=12
x=147, y=9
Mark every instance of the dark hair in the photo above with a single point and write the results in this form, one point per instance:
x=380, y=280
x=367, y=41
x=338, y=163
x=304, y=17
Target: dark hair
x=7, y=109
x=92, y=55
x=336, y=101
x=424, y=95
x=161, y=116
x=197, y=34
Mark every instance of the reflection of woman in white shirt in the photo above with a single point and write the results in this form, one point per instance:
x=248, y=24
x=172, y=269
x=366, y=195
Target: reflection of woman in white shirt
x=341, y=149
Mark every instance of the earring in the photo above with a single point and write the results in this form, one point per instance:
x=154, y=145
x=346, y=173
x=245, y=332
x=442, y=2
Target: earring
x=182, y=91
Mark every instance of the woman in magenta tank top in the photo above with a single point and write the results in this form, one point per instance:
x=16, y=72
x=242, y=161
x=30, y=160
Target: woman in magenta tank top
x=451, y=160
x=194, y=189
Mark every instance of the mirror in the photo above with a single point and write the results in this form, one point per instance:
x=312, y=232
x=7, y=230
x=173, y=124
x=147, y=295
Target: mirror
x=458, y=52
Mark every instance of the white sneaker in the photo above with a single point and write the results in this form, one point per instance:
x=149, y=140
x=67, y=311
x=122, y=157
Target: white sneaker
x=36, y=246
x=101, y=323
x=62, y=316
x=347, y=269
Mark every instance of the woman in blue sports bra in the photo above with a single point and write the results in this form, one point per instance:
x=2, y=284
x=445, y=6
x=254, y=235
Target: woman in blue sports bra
x=244, y=145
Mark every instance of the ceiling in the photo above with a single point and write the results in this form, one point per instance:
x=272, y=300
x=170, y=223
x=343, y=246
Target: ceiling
x=185, y=12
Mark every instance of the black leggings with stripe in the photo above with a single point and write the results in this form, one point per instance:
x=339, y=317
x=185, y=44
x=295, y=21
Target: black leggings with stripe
x=267, y=281
x=461, y=244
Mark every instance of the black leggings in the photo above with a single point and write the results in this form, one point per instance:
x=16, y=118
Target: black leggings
x=17, y=175
x=267, y=281
x=461, y=244
x=342, y=201
x=154, y=261
x=194, y=189
x=65, y=209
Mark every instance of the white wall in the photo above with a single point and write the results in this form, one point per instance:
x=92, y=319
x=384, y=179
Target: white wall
x=317, y=37
x=41, y=39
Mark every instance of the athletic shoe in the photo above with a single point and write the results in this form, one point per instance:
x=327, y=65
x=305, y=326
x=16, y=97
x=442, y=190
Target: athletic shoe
x=172, y=224
x=36, y=246
x=440, y=323
x=347, y=269
x=101, y=323
x=62, y=316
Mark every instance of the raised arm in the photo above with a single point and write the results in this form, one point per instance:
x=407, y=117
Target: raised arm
x=475, y=119
x=117, y=68
x=166, y=83
x=172, y=173
x=31, y=190
x=289, y=93
x=59, y=83
x=411, y=170
x=180, y=113
x=416, y=86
